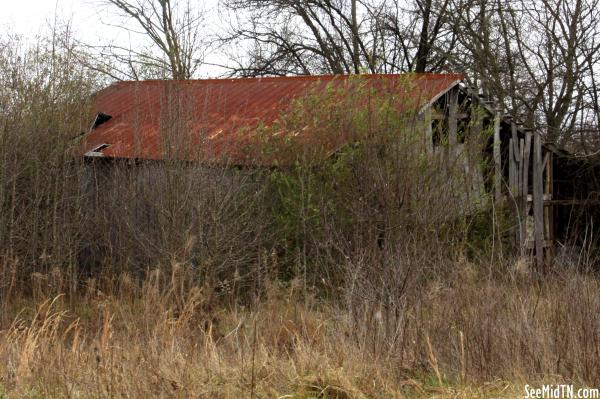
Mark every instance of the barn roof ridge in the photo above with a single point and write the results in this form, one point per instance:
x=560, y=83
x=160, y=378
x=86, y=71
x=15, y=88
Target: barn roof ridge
x=296, y=77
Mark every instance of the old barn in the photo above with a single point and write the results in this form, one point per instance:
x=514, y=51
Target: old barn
x=212, y=121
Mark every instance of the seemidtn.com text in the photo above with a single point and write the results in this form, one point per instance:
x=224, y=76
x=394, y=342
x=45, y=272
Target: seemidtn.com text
x=560, y=391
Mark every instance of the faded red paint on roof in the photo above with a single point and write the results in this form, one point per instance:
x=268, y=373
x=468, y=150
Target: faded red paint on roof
x=212, y=120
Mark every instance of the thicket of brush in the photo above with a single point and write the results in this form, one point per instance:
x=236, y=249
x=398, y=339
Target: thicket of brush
x=363, y=276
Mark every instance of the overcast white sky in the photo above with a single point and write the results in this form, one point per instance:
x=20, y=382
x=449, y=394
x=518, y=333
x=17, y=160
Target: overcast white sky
x=28, y=17
x=31, y=17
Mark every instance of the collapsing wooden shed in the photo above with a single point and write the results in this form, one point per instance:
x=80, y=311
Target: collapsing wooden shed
x=551, y=192
x=132, y=117
x=521, y=174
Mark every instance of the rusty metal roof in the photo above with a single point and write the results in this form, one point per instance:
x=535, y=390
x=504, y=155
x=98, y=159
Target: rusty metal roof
x=212, y=120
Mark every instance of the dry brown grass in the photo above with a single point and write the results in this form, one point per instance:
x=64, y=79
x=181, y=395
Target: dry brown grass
x=466, y=338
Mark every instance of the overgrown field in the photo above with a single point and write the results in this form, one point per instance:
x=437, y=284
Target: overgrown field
x=464, y=336
x=377, y=273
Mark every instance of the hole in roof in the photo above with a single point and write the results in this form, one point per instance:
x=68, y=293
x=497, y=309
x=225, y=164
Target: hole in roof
x=101, y=118
x=100, y=148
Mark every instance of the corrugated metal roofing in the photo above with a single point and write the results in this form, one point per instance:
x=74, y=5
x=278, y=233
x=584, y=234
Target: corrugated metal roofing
x=212, y=120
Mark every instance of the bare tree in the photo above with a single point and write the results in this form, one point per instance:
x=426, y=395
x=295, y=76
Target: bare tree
x=419, y=36
x=299, y=37
x=174, y=29
x=337, y=36
x=538, y=56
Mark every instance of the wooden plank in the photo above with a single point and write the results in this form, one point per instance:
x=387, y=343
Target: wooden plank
x=525, y=184
x=520, y=156
x=497, y=158
x=515, y=137
x=428, y=128
x=526, y=159
x=548, y=206
x=439, y=115
x=516, y=158
x=538, y=201
x=530, y=244
x=574, y=202
x=514, y=174
x=520, y=209
x=545, y=163
x=452, y=120
x=475, y=131
x=547, y=197
x=513, y=189
x=512, y=169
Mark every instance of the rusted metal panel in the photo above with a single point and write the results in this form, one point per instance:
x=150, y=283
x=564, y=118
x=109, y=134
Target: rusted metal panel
x=213, y=120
